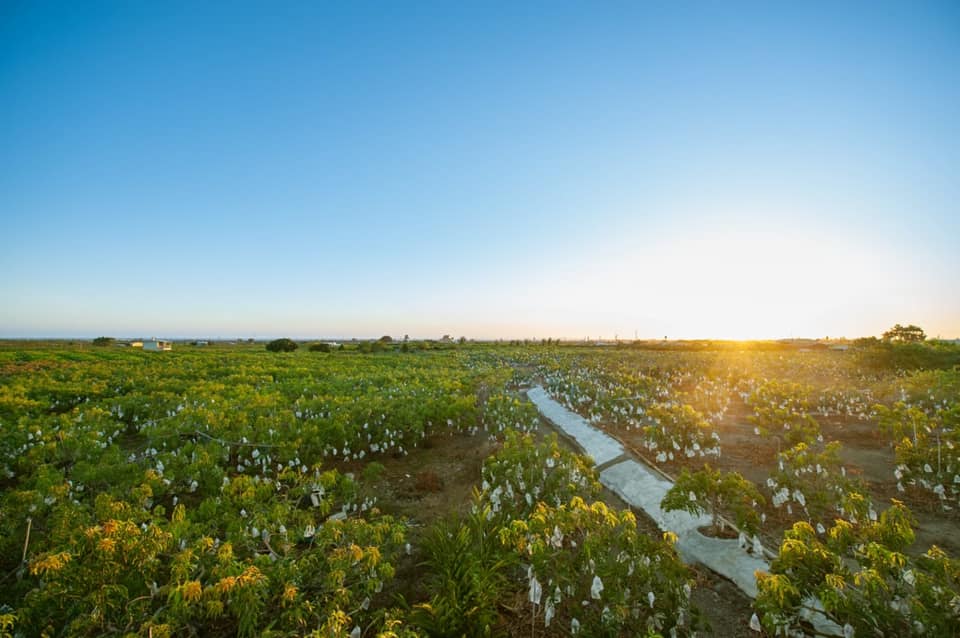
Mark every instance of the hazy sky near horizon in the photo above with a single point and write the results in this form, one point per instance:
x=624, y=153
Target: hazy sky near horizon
x=486, y=169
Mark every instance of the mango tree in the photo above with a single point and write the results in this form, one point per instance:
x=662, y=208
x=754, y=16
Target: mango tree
x=713, y=492
x=868, y=585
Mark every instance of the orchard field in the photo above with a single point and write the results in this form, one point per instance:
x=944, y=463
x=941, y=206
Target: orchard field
x=228, y=490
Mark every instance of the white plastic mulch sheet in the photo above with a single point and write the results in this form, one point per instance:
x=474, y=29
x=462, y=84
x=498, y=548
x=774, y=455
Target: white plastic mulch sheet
x=639, y=486
x=599, y=446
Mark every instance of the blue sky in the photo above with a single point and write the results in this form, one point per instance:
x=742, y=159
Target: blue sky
x=492, y=170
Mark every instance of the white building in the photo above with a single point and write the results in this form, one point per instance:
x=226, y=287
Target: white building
x=157, y=345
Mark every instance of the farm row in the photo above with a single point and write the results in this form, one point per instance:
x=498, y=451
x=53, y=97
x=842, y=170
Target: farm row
x=777, y=420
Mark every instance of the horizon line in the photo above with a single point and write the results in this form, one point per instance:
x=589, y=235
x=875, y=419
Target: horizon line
x=589, y=339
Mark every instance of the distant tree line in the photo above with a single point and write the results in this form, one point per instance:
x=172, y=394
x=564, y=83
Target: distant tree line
x=904, y=334
x=906, y=348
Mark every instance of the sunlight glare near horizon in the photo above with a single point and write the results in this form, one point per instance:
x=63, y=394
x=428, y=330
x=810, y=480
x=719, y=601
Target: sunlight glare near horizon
x=750, y=285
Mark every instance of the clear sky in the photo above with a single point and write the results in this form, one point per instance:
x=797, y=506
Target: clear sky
x=484, y=169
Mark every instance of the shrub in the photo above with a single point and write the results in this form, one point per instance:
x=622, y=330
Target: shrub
x=780, y=410
x=679, y=429
x=502, y=411
x=582, y=563
x=467, y=578
x=866, y=582
x=712, y=491
x=282, y=345
x=813, y=477
x=524, y=473
x=911, y=356
x=927, y=445
x=590, y=564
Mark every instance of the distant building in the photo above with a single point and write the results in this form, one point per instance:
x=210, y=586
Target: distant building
x=157, y=345
x=136, y=344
